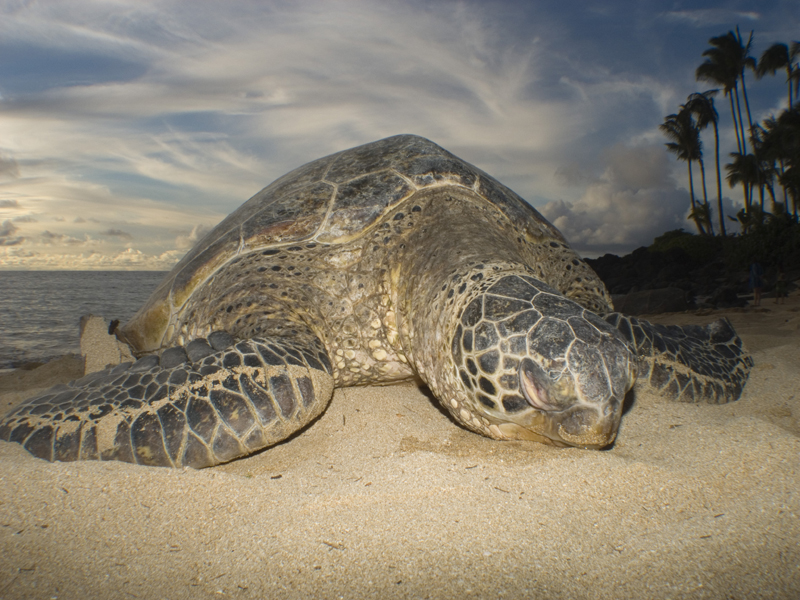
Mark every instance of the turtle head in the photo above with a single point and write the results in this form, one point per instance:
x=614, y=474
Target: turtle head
x=535, y=365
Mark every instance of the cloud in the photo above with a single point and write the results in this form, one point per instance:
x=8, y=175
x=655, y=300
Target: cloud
x=638, y=167
x=185, y=241
x=118, y=233
x=7, y=228
x=631, y=203
x=25, y=219
x=9, y=204
x=154, y=116
x=710, y=16
x=7, y=237
x=129, y=258
x=49, y=238
x=574, y=174
x=8, y=167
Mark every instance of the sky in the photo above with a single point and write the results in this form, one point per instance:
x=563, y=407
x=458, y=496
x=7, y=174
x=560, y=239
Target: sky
x=129, y=128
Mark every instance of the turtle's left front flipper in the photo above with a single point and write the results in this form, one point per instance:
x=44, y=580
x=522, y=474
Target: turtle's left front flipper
x=207, y=403
x=687, y=363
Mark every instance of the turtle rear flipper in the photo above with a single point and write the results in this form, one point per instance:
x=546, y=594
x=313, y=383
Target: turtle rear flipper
x=687, y=363
x=208, y=403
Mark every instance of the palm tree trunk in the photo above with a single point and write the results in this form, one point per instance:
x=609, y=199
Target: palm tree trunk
x=691, y=196
x=741, y=121
x=705, y=195
x=746, y=197
x=747, y=104
x=735, y=124
x=785, y=191
x=744, y=85
x=771, y=190
x=719, y=182
x=740, y=135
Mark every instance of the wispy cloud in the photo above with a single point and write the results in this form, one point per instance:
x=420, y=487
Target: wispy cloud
x=8, y=168
x=138, y=126
x=50, y=238
x=711, y=16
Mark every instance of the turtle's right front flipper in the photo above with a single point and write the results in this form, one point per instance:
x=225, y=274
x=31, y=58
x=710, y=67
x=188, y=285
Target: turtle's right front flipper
x=687, y=363
x=198, y=406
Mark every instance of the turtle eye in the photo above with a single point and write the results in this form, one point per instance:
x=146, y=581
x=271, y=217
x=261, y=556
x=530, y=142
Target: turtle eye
x=533, y=382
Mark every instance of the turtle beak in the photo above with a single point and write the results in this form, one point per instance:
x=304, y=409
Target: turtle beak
x=576, y=424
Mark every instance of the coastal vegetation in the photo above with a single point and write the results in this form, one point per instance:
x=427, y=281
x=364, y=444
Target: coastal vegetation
x=766, y=163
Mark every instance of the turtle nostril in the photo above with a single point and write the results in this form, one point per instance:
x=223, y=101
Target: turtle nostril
x=532, y=382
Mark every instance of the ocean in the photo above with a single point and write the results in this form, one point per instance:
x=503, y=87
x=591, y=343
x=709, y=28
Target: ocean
x=40, y=311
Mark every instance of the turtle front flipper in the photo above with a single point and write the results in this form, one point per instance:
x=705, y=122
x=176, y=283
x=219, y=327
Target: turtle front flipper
x=687, y=363
x=208, y=403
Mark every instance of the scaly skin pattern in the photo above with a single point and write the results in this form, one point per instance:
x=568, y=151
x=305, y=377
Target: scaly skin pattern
x=394, y=260
x=687, y=363
x=195, y=407
x=523, y=361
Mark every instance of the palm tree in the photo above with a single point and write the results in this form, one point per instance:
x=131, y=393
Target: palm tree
x=749, y=62
x=795, y=51
x=702, y=107
x=749, y=220
x=701, y=214
x=790, y=180
x=775, y=144
x=724, y=65
x=686, y=146
x=765, y=166
x=780, y=56
x=743, y=170
x=784, y=135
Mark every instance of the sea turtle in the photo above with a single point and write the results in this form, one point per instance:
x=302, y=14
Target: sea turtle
x=386, y=262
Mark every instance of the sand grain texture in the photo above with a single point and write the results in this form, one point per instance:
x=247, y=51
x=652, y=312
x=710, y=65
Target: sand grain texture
x=384, y=497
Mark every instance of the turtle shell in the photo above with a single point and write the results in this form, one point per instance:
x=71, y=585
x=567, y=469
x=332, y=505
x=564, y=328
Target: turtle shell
x=330, y=200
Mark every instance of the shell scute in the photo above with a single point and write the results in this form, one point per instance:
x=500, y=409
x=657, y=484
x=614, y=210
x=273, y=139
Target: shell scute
x=330, y=200
x=360, y=202
x=393, y=153
x=430, y=170
x=517, y=210
x=209, y=258
x=291, y=217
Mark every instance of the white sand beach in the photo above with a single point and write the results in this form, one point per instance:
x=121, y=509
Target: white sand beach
x=385, y=497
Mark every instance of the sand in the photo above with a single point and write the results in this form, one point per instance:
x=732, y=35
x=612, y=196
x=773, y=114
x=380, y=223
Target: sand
x=385, y=497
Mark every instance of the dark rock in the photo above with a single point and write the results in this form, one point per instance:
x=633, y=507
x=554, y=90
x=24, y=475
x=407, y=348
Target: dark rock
x=726, y=297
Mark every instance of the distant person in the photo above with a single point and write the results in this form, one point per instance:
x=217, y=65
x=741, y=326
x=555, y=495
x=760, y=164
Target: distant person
x=756, y=281
x=780, y=287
